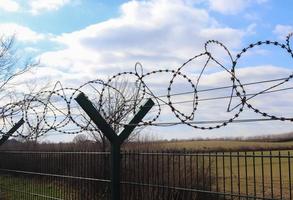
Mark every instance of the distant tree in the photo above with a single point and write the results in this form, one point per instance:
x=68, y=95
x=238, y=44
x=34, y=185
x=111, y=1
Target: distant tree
x=80, y=139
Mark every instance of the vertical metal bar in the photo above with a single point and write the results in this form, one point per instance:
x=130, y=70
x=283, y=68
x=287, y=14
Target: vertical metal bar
x=191, y=170
x=173, y=163
x=246, y=176
x=155, y=178
x=49, y=167
x=157, y=170
x=76, y=182
x=55, y=178
x=139, y=175
x=168, y=171
x=59, y=179
x=231, y=174
x=144, y=171
x=73, y=181
x=153, y=174
x=197, y=179
x=65, y=160
x=271, y=171
x=262, y=175
x=185, y=168
x=173, y=168
x=115, y=160
x=210, y=171
x=135, y=170
x=148, y=174
x=87, y=185
x=83, y=172
x=75, y=159
x=280, y=175
x=130, y=167
x=90, y=183
x=126, y=188
x=125, y=161
x=224, y=176
x=203, y=171
x=289, y=167
x=179, y=169
x=40, y=169
x=238, y=170
x=91, y=174
x=26, y=181
x=140, y=172
x=254, y=178
x=163, y=174
x=160, y=174
x=217, y=175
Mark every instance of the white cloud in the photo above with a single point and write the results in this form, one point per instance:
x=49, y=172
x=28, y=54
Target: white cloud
x=22, y=33
x=9, y=5
x=232, y=6
x=231, y=37
x=38, y=6
x=228, y=6
x=31, y=50
x=143, y=32
x=160, y=35
x=282, y=30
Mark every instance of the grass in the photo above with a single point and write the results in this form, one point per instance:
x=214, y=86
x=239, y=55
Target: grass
x=222, y=145
x=264, y=176
x=250, y=175
x=21, y=188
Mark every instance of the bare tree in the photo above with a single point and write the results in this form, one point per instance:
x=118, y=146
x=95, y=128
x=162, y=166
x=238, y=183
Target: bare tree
x=119, y=101
x=11, y=66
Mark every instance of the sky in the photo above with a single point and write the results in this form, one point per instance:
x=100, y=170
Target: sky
x=76, y=41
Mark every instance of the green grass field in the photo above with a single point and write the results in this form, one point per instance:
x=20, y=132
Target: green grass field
x=19, y=188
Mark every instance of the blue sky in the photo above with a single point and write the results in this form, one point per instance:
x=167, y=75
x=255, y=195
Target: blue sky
x=261, y=19
x=77, y=41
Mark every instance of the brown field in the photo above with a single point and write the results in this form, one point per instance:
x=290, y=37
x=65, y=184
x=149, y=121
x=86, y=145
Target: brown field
x=221, y=145
x=246, y=175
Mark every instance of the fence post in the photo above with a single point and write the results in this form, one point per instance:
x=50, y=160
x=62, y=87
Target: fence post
x=6, y=136
x=115, y=139
x=115, y=171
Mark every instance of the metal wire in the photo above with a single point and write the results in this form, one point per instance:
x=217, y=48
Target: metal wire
x=56, y=109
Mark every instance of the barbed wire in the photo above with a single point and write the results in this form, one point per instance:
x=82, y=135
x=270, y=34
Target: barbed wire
x=56, y=109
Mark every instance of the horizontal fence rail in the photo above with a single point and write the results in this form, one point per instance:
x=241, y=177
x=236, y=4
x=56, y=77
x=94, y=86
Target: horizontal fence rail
x=146, y=175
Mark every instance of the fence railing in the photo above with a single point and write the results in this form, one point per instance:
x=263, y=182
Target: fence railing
x=146, y=175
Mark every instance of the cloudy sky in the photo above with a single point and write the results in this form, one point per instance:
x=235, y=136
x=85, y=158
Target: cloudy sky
x=77, y=41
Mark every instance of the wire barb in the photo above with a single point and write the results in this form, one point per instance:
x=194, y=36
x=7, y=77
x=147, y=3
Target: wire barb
x=56, y=110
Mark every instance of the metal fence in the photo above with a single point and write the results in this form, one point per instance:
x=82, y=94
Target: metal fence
x=152, y=175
